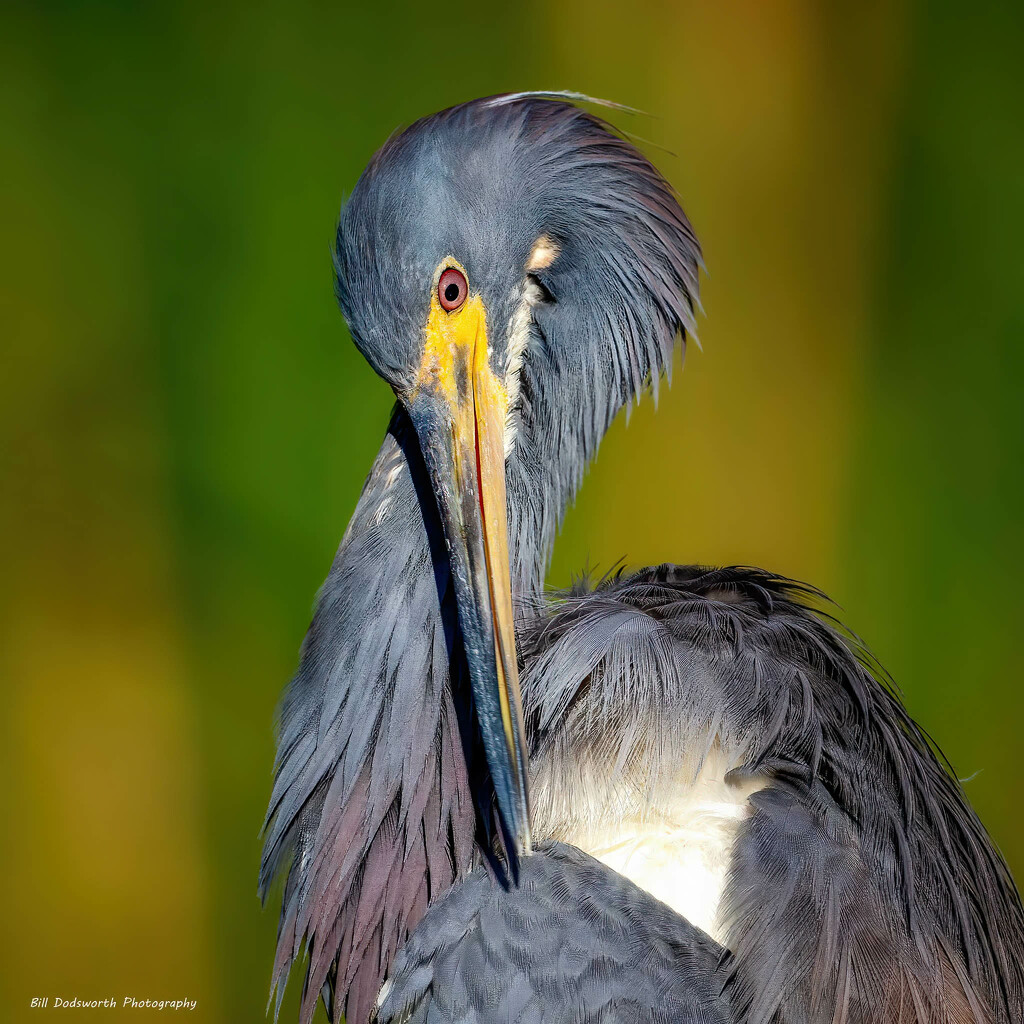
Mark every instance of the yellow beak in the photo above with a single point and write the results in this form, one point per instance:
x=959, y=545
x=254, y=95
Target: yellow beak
x=459, y=408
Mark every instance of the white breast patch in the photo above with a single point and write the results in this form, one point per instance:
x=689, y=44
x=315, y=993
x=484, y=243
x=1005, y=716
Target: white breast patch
x=681, y=854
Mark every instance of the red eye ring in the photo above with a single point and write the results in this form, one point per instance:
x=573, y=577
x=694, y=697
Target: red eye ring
x=452, y=289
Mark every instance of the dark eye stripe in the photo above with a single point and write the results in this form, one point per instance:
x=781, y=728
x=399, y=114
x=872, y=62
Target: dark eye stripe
x=452, y=289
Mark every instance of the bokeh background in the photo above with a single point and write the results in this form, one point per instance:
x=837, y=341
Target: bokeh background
x=186, y=426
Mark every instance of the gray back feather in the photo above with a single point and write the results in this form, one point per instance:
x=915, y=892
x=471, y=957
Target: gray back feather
x=574, y=943
x=863, y=886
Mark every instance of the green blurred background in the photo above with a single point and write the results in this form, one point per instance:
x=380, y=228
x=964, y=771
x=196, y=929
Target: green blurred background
x=186, y=426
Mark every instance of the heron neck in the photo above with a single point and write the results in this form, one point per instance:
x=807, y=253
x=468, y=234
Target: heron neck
x=555, y=442
x=536, y=507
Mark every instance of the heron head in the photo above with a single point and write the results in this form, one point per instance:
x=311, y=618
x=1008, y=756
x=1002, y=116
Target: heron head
x=516, y=271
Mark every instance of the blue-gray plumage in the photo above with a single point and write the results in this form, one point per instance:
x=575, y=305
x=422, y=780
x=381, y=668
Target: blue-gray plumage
x=572, y=933
x=518, y=272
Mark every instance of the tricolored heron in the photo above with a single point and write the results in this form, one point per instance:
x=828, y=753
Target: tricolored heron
x=733, y=817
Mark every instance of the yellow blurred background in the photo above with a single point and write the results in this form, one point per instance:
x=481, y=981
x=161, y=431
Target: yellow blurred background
x=186, y=426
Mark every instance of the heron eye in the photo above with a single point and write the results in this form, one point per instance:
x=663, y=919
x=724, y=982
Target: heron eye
x=452, y=289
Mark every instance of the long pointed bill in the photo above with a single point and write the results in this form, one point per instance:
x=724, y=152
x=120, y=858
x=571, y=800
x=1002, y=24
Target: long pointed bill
x=458, y=407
